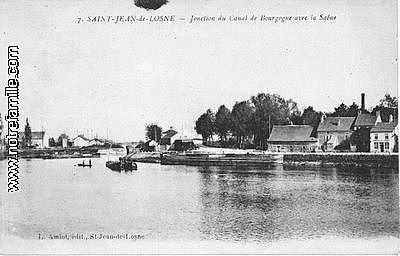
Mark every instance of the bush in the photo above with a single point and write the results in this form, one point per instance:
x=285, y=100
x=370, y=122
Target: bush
x=344, y=145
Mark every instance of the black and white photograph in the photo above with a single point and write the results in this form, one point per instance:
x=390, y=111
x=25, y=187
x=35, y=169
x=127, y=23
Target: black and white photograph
x=199, y=127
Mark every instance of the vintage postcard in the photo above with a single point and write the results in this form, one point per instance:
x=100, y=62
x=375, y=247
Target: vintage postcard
x=199, y=127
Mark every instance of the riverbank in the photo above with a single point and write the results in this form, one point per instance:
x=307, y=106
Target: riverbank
x=352, y=159
x=343, y=159
x=145, y=157
x=55, y=153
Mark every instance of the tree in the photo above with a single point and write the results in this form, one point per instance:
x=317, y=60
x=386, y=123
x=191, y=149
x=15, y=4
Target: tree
x=205, y=125
x=343, y=146
x=242, y=121
x=61, y=138
x=353, y=110
x=340, y=111
x=346, y=111
x=52, y=142
x=296, y=118
x=361, y=139
x=28, y=134
x=223, y=122
x=272, y=109
x=388, y=101
x=313, y=118
x=153, y=132
x=385, y=113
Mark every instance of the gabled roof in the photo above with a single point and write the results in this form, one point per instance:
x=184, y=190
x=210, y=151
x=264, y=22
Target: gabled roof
x=365, y=120
x=384, y=126
x=169, y=134
x=332, y=124
x=291, y=133
x=81, y=136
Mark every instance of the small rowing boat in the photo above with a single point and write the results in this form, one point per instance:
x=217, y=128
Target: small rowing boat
x=83, y=164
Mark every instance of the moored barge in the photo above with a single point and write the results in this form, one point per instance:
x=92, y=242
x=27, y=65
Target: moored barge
x=249, y=159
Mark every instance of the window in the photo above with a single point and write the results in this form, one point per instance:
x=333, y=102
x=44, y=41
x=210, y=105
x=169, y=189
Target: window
x=386, y=145
x=376, y=136
x=386, y=136
x=375, y=145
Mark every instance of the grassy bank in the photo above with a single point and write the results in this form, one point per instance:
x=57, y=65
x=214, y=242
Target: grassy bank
x=343, y=159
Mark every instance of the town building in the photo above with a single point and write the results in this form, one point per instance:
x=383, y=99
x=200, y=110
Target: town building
x=334, y=130
x=384, y=136
x=362, y=127
x=81, y=141
x=366, y=120
x=183, y=144
x=38, y=139
x=96, y=142
x=292, y=138
x=168, y=138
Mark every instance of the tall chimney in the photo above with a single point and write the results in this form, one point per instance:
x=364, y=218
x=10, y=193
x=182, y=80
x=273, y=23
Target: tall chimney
x=362, y=101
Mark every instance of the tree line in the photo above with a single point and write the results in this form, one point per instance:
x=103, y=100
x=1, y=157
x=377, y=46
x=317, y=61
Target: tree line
x=250, y=122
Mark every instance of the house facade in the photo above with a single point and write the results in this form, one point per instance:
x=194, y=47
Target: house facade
x=96, y=142
x=362, y=127
x=81, y=141
x=366, y=120
x=292, y=138
x=383, y=136
x=168, y=138
x=332, y=131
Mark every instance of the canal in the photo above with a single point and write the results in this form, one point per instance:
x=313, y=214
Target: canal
x=182, y=203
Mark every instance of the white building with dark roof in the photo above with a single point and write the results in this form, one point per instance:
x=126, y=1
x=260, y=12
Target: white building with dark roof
x=334, y=130
x=383, y=136
x=81, y=141
x=292, y=138
x=366, y=120
x=168, y=138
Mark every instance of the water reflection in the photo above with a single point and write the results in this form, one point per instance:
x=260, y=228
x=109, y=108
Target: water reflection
x=208, y=203
x=287, y=202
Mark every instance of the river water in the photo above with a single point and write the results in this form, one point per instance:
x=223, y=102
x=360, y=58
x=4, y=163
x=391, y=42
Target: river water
x=182, y=203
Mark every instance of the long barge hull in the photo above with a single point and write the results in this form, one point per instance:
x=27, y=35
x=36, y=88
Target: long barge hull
x=247, y=160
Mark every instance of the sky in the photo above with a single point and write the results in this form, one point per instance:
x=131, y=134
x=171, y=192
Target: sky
x=110, y=80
